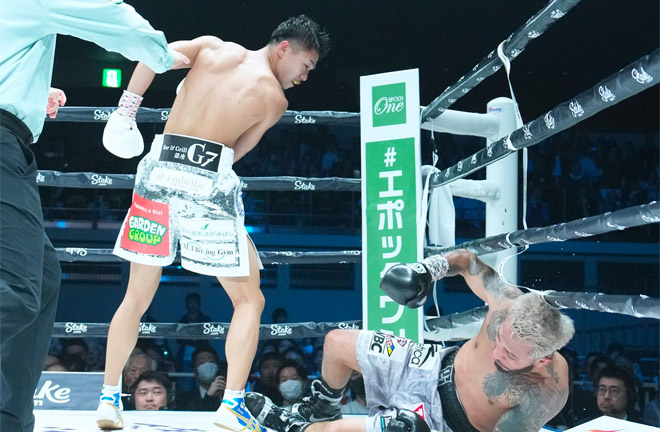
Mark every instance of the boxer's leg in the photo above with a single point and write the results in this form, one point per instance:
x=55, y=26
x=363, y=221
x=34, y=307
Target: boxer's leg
x=339, y=358
x=122, y=337
x=242, y=339
x=339, y=361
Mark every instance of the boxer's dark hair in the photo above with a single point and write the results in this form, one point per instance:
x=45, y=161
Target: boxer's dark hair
x=305, y=31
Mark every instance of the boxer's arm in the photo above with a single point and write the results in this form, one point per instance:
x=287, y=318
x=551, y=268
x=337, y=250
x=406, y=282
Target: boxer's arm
x=112, y=25
x=143, y=75
x=537, y=406
x=482, y=279
x=250, y=138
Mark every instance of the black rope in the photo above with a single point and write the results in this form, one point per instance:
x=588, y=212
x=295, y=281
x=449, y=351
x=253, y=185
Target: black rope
x=586, y=227
x=207, y=330
x=514, y=45
x=89, y=180
x=160, y=115
x=629, y=81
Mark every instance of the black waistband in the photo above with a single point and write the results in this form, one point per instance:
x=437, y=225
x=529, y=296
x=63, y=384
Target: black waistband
x=452, y=410
x=14, y=124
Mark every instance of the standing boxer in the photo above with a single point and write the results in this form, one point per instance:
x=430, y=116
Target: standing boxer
x=187, y=194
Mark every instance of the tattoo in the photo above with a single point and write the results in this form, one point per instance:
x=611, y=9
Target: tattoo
x=454, y=268
x=493, y=282
x=496, y=320
x=550, y=367
x=532, y=404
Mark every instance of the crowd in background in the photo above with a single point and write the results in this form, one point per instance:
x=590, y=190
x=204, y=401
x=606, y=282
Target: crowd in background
x=615, y=383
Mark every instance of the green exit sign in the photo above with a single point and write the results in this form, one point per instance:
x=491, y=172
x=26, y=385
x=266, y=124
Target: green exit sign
x=112, y=78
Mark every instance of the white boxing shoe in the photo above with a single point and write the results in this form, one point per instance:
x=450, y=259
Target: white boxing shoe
x=234, y=416
x=108, y=416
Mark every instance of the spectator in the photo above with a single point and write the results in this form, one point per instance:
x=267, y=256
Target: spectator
x=151, y=391
x=211, y=380
x=268, y=381
x=136, y=365
x=615, y=394
x=292, y=377
x=73, y=363
x=77, y=347
x=295, y=354
x=157, y=354
x=599, y=363
x=588, y=168
x=358, y=404
x=615, y=349
x=51, y=360
x=329, y=159
x=283, y=345
x=588, y=384
x=95, y=355
x=317, y=359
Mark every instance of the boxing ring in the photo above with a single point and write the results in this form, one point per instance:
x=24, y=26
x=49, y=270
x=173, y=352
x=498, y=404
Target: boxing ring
x=629, y=81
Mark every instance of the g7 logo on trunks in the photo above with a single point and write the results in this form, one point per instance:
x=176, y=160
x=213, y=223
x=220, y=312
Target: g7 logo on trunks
x=202, y=155
x=142, y=230
x=389, y=104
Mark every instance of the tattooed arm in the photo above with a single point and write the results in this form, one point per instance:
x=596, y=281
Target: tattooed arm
x=480, y=277
x=534, y=404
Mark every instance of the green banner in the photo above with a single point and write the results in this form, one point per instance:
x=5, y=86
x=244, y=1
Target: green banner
x=391, y=191
x=391, y=228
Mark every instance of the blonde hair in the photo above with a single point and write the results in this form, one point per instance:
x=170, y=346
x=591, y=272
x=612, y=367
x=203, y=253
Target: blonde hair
x=539, y=325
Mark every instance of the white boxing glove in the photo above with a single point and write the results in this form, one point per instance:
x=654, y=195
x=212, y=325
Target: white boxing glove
x=121, y=136
x=180, y=86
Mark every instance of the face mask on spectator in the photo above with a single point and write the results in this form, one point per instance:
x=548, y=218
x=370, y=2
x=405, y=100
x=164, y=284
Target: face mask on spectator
x=291, y=389
x=206, y=372
x=308, y=349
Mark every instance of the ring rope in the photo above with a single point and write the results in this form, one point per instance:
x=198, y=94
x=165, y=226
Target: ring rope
x=83, y=254
x=207, y=330
x=90, y=180
x=160, y=115
x=629, y=81
x=454, y=327
x=586, y=227
x=513, y=46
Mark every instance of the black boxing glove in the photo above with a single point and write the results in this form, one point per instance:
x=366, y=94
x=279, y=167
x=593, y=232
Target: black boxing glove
x=407, y=421
x=410, y=284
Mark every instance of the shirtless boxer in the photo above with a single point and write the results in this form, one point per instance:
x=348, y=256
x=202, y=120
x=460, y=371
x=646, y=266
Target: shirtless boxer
x=187, y=193
x=508, y=378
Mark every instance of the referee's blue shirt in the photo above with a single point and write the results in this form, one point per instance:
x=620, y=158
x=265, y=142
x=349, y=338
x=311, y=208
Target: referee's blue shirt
x=27, y=46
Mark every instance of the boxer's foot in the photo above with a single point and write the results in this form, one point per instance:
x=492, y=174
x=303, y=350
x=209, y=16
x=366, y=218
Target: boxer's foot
x=323, y=405
x=271, y=416
x=108, y=415
x=234, y=416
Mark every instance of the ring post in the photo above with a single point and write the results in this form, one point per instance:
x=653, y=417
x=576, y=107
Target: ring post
x=391, y=185
x=502, y=214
